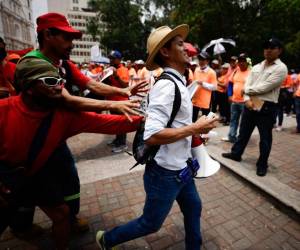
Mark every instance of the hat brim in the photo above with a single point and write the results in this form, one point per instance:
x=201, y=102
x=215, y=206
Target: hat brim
x=181, y=30
x=75, y=33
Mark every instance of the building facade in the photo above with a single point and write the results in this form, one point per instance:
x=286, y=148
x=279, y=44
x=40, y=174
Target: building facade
x=78, y=14
x=16, y=24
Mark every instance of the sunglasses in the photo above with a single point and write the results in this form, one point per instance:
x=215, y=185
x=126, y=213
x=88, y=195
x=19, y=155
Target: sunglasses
x=52, y=81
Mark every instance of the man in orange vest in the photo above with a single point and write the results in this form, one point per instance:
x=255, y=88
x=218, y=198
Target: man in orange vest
x=221, y=94
x=120, y=79
x=238, y=102
x=297, y=105
x=207, y=80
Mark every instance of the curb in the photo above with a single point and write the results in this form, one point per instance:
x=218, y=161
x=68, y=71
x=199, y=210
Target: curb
x=272, y=186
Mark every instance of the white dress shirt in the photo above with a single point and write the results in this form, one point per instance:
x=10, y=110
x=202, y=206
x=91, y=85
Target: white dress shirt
x=171, y=156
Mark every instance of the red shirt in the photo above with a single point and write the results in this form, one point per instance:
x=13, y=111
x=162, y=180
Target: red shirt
x=18, y=125
x=77, y=77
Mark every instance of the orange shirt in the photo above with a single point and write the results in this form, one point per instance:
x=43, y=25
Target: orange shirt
x=239, y=80
x=202, y=96
x=297, y=93
x=123, y=74
x=287, y=82
x=191, y=76
x=224, y=80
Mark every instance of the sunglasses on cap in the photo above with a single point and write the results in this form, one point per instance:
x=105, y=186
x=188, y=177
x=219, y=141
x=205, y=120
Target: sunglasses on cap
x=52, y=81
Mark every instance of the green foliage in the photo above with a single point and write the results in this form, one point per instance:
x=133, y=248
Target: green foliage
x=248, y=22
x=119, y=26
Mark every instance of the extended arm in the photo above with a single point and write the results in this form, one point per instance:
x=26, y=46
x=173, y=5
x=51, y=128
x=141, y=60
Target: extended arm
x=87, y=104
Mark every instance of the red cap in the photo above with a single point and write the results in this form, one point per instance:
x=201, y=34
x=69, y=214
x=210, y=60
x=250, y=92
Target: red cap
x=58, y=21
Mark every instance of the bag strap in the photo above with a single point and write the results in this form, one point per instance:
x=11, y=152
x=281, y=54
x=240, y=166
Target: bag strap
x=177, y=98
x=39, y=139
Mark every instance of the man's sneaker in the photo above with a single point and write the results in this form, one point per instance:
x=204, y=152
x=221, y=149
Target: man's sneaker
x=279, y=128
x=79, y=225
x=119, y=148
x=30, y=234
x=101, y=243
x=226, y=139
x=232, y=156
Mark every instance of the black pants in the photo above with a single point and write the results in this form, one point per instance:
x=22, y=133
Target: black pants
x=264, y=121
x=196, y=112
x=62, y=162
x=224, y=106
x=120, y=138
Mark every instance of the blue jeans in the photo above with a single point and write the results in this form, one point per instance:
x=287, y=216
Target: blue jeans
x=297, y=109
x=236, y=111
x=162, y=189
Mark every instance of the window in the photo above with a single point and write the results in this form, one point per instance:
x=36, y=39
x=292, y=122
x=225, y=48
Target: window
x=75, y=1
x=17, y=31
x=75, y=8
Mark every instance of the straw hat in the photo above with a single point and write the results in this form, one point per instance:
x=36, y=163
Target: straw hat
x=158, y=38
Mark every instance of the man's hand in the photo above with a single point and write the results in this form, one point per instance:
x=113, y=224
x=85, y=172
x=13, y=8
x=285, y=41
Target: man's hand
x=203, y=125
x=136, y=89
x=249, y=104
x=126, y=108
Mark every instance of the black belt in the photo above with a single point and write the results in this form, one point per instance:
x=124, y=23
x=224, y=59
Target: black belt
x=270, y=104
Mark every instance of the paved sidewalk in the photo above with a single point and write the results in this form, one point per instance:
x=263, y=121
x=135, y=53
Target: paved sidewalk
x=236, y=214
x=283, y=178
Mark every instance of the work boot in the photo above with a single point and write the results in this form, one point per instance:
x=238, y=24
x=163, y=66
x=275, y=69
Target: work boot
x=231, y=156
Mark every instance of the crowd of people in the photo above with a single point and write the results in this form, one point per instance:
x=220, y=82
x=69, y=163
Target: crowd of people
x=46, y=98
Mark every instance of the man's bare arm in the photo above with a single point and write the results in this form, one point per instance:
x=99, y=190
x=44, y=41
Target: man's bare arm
x=99, y=88
x=87, y=104
x=170, y=135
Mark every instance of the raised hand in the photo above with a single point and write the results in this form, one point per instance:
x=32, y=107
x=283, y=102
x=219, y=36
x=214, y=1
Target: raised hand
x=127, y=108
x=137, y=89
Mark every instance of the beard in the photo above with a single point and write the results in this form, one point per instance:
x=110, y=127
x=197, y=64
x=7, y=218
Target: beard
x=47, y=102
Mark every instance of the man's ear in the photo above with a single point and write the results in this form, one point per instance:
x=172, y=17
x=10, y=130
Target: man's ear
x=47, y=34
x=164, y=52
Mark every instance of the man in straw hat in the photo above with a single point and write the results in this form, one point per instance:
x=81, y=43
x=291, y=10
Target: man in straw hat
x=43, y=183
x=162, y=178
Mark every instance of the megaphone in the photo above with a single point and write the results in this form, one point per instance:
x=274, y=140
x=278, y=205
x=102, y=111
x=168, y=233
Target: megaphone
x=208, y=166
